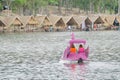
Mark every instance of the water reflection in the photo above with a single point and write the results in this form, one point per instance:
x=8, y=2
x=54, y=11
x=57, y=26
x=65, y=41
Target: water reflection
x=76, y=69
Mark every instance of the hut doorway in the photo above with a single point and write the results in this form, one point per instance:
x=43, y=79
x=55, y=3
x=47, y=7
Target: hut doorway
x=60, y=25
x=115, y=24
x=72, y=23
x=88, y=24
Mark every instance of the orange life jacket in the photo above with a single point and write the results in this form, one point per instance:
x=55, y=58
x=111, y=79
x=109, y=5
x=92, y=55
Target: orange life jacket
x=72, y=50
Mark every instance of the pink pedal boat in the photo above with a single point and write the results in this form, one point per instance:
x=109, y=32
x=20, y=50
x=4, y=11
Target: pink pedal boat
x=78, y=56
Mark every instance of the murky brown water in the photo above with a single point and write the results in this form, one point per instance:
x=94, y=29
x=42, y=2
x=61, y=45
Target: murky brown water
x=36, y=56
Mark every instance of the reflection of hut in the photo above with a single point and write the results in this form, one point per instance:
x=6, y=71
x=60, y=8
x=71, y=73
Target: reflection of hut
x=44, y=22
x=2, y=24
x=57, y=22
x=84, y=22
x=13, y=23
x=97, y=22
x=29, y=23
x=70, y=21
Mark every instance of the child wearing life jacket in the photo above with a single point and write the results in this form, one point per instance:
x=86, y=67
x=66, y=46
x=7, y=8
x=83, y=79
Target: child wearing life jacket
x=72, y=49
x=81, y=49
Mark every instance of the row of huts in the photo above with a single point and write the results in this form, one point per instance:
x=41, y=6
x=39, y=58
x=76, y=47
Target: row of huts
x=58, y=23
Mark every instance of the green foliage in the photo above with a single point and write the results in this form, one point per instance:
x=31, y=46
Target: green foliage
x=20, y=2
x=97, y=5
x=0, y=6
x=53, y=2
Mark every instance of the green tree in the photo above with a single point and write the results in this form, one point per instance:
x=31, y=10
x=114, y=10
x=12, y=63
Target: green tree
x=19, y=5
x=0, y=6
x=53, y=2
x=7, y=3
x=41, y=6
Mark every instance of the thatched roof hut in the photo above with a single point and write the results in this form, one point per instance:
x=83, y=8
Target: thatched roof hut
x=69, y=20
x=57, y=21
x=105, y=24
x=29, y=20
x=80, y=19
x=12, y=21
x=110, y=19
x=98, y=22
x=43, y=20
x=97, y=19
x=30, y=23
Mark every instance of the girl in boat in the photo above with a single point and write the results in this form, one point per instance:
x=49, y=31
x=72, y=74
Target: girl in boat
x=81, y=49
x=72, y=49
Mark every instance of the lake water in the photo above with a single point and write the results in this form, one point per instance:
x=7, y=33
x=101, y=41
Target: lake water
x=36, y=56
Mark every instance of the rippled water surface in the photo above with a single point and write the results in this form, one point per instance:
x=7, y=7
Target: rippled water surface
x=36, y=56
